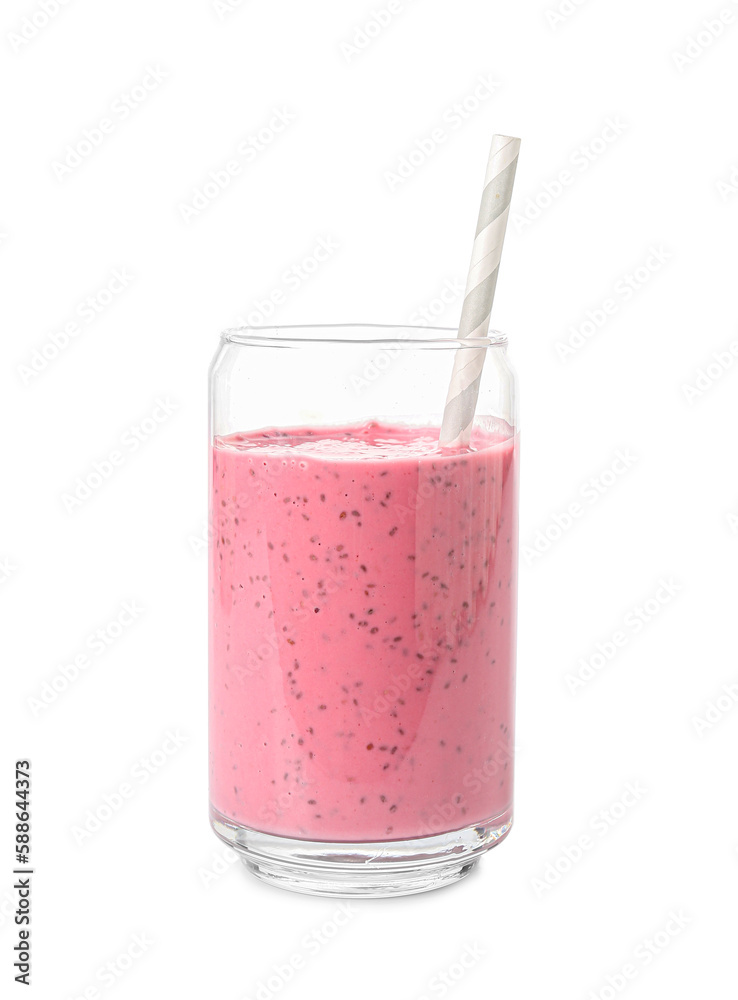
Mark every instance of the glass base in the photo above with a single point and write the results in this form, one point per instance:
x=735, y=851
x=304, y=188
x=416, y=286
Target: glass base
x=361, y=870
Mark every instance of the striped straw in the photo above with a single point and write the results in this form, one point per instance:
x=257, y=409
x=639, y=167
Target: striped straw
x=461, y=400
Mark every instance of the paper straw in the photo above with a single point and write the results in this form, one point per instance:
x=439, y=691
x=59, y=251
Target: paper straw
x=461, y=400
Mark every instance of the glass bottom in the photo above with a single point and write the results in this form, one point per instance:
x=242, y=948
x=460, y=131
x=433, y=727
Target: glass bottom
x=362, y=870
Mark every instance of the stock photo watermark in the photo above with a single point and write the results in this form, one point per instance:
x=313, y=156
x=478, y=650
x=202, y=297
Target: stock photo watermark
x=79, y=150
x=728, y=187
x=221, y=861
x=644, y=953
x=455, y=807
x=86, y=312
x=35, y=22
x=715, y=711
x=95, y=645
x=292, y=279
x=599, y=826
x=109, y=973
x=732, y=519
x=633, y=623
x=130, y=441
x=398, y=684
x=310, y=945
x=628, y=284
x=454, y=117
x=442, y=982
x=705, y=378
x=427, y=314
x=579, y=162
x=248, y=150
x=8, y=569
x=703, y=37
x=199, y=540
x=560, y=14
x=365, y=33
x=225, y=7
x=591, y=492
x=252, y=660
x=139, y=775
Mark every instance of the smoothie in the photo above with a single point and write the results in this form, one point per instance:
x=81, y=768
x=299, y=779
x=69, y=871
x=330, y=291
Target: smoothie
x=362, y=645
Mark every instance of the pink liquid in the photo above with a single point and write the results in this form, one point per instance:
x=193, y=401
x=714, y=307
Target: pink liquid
x=363, y=599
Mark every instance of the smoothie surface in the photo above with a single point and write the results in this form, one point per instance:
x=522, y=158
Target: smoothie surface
x=363, y=595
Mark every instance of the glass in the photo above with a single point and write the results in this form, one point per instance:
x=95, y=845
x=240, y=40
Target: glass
x=363, y=590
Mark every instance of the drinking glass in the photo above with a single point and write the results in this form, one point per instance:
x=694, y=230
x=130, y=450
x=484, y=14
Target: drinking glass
x=363, y=585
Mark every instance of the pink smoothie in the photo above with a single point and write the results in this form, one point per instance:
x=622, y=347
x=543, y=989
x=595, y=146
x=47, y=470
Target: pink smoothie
x=362, y=647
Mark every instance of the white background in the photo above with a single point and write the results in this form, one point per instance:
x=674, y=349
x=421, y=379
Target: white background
x=664, y=182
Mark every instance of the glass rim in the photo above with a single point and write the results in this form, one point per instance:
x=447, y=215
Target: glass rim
x=407, y=335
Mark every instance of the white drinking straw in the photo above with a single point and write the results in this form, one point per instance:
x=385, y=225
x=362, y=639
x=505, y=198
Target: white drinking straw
x=461, y=400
